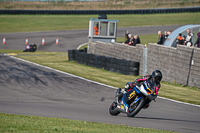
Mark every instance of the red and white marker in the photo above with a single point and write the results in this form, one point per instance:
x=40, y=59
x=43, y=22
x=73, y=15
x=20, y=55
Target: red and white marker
x=57, y=41
x=43, y=41
x=26, y=42
x=4, y=40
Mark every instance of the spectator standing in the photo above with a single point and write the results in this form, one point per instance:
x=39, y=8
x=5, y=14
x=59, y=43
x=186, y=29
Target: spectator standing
x=96, y=29
x=136, y=40
x=179, y=39
x=161, y=38
x=127, y=39
x=165, y=35
x=169, y=32
x=184, y=40
x=131, y=39
x=189, y=38
x=198, y=40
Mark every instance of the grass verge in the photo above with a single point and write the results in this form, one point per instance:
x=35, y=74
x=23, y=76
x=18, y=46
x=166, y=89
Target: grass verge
x=21, y=123
x=27, y=23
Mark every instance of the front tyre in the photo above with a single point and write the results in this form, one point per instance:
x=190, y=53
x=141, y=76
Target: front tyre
x=136, y=107
x=113, y=109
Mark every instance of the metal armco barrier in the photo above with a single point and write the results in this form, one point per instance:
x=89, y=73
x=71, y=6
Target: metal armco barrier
x=82, y=12
x=110, y=64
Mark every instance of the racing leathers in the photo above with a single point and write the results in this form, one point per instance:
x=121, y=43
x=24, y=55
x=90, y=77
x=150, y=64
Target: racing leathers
x=129, y=90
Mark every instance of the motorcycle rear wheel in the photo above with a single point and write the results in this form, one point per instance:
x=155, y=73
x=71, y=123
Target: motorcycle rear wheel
x=135, y=108
x=113, y=110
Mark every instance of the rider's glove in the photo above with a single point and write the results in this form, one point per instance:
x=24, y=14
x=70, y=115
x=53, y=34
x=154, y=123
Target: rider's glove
x=129, y=86
x=118, y=91
x=137, y=83
x=126, y=88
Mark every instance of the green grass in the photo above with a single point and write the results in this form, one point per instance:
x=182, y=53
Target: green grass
x=27, y=23
x=21, y=123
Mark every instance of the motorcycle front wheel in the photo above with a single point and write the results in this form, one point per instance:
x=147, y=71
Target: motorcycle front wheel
x=136, y=107
x=113, y=109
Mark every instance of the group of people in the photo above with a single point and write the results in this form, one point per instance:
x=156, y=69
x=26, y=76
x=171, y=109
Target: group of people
x=132, y=40
x=162, y=37
x=187, y=40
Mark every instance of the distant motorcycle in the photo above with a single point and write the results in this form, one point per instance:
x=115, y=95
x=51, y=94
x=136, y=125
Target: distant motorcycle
x=141, y=94
x=30, y=48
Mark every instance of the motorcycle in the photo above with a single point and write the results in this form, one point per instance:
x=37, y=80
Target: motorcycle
x=139, y=97
x=30, y=48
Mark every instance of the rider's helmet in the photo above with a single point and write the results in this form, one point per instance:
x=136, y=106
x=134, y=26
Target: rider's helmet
x=157, y=76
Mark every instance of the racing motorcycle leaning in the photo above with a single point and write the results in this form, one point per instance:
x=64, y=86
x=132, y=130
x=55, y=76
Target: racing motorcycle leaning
x=141, y=95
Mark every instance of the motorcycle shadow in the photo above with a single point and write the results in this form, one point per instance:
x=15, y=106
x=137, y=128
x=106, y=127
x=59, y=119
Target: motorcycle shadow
x=163, y=119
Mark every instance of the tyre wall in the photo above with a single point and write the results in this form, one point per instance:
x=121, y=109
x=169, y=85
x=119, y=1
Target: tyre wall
x=179, y=65
x=82, y=12
x=108, y=63
x=119, y=51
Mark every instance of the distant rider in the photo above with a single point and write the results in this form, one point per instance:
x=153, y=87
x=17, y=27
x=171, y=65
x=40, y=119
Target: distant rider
x=127, y=99
x=31, y=48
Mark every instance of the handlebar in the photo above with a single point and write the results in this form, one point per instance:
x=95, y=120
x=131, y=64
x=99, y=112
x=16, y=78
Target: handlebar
x=145, y=90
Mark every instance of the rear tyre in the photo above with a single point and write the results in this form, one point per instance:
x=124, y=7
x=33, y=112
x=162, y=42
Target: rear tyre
x=136, y=107
x=113, y=109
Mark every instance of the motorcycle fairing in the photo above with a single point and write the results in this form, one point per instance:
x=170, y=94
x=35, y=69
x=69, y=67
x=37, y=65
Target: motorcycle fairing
x=137, y=99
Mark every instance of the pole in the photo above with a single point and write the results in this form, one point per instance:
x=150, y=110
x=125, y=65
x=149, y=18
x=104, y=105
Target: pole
x=144, y=69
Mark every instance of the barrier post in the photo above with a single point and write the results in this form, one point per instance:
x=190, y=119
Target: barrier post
x=144, y=69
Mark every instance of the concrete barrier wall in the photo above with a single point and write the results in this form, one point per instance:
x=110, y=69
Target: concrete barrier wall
x=175, y=63
x=194, y=75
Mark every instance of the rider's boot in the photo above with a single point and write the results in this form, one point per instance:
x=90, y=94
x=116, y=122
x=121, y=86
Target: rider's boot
x=123, y=106
x=119, y=94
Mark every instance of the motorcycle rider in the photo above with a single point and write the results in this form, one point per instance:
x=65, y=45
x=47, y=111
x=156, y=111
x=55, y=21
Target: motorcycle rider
x=127, y=93
x=31, y=48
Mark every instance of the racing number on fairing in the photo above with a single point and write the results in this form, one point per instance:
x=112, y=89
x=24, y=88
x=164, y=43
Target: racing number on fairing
x=131, y=95
x=149, y=91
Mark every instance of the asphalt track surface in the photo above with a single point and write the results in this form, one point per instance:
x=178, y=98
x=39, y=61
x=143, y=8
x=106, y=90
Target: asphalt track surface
x=30, y=89
x=70, y=39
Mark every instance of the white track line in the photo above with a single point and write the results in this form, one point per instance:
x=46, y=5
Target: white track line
x=81, y=45
x=93, y=81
